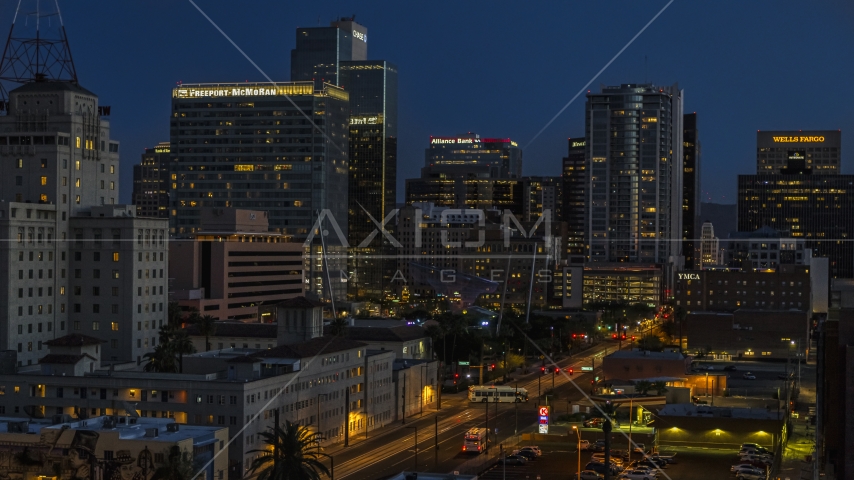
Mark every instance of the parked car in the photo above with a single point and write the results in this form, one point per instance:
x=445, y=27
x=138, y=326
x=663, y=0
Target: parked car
x=639, y=448
x=749, y=376
x=670, y=458
x=752, y=445
x=584, y=445
x=589, y=475
x=532, y=448
x=514, y=460
x=637, y=475
x=744, y=467
x=652, y=471
x=758, y=460
x=750, y=475
x=601, y=468
x=754, y=451
x=529, y=454
x=652, y=463
x=593, y=422
x=600, y=457
x=730, y=368
x=596, y=447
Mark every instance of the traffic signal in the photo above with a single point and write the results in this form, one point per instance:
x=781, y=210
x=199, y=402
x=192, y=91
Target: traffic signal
x=573, y=335
x=557, y=370
x=570, y=371
x=592, y=382
x=493, y=366
x=614, y=336
x=624, y=336
x=633, y=338
x=543, y=369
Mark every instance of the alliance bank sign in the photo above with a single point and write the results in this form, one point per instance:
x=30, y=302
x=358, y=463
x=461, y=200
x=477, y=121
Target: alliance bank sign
x=688, y=276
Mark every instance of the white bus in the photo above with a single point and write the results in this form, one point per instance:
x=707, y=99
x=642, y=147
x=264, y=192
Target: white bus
x=475, y=440
x=493, y=394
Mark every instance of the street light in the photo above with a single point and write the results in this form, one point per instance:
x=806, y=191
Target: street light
x=577, y=432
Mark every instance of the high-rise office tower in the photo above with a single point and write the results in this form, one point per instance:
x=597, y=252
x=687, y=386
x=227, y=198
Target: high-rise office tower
x=574, y=198
x=151, y=182
x=70, y=265
x=372, y=86
x=816, y=208
x=779, y=152
x=467, y=154
x=320, y=50
x=264, y=153
x=690, y=190
x=634, y=166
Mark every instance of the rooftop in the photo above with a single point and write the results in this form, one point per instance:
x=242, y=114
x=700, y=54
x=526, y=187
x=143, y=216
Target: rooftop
x=127, y=427
x=399, y=333
x=57, y=359
x=238, y=329
x=325, y=344
x=74, y=340
x=691, y=410
x=51, y=86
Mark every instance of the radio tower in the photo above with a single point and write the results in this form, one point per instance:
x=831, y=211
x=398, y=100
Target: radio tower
x=37, y=48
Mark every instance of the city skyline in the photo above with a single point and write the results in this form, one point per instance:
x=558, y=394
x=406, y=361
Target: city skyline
x=436, y=71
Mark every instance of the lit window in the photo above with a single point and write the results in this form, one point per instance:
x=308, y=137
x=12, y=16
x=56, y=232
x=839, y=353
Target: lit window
x=77, y=142
x=115, y=256
x=44, y=180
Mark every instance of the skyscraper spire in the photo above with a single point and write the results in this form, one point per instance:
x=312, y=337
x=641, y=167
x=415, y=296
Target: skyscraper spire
x=37, y=47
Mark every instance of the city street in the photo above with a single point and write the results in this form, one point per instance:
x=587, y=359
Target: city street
x=393, y=449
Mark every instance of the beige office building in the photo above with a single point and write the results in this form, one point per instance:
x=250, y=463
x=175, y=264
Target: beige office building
x=234, y=267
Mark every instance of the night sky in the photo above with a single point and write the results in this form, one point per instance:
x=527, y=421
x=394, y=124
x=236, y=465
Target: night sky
x=498, y=68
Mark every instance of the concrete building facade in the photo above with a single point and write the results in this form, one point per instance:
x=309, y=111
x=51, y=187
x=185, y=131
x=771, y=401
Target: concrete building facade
x=235, y=268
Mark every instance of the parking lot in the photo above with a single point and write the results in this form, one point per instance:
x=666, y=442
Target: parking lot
x=559, y=462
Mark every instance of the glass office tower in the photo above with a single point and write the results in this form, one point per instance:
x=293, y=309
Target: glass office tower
x=634, y=162
x=691, y=192
x=320, y=50
x=574, y=198
x=372, y=86
x=501, y=157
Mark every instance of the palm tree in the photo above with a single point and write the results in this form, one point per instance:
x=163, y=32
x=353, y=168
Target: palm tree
x=182, y=345
x=207, y=327
x=643, y=386
x=293, y=454
x=660, y=387
x=177, y=465
x=338, y=326
x=162, y=359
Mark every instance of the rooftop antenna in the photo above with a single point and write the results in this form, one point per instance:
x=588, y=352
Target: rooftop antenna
x=37, y=48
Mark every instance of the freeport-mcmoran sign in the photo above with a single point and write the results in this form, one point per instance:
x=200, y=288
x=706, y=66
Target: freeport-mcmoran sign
x=243, y=91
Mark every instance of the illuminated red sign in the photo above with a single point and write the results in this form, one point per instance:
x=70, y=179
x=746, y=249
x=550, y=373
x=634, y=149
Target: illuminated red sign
x=544, y=411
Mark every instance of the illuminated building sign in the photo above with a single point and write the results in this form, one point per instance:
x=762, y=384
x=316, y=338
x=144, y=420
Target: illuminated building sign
x=797, y=155
x=365, y=120
x=463, y=141
x=247, y=90
x=819, y=139
x=361, y=36
x=689, y=276
x=161, y=149
x=582, y=143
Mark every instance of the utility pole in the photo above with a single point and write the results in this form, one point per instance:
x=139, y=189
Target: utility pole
x=606, y=427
